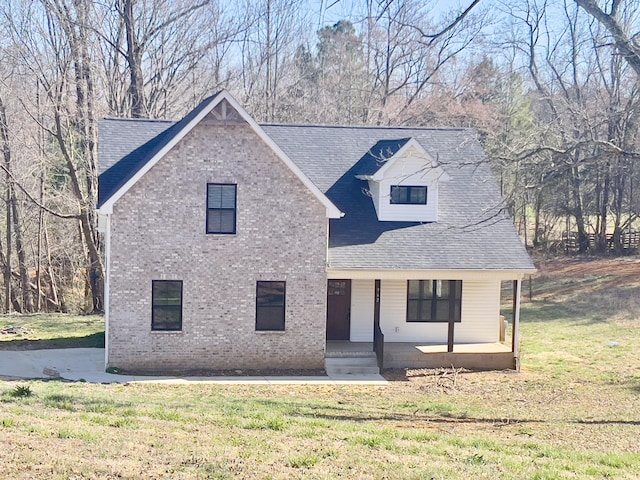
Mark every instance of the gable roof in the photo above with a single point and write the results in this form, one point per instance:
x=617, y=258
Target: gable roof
x=126, y=171
x=384, y=155
x=377, y=156
x=473, y=231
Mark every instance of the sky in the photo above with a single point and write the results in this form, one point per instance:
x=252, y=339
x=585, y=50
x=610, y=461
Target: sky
x=329, y=12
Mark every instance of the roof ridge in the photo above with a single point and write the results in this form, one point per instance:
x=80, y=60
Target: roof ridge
x=364, y=127
x=123, y=119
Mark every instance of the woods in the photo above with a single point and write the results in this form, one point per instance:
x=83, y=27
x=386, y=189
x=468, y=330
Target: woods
x=551, y=87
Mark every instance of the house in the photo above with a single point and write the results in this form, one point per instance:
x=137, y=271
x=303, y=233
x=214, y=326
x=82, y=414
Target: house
x=234, y=245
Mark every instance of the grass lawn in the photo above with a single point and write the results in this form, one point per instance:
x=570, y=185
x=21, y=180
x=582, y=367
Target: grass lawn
x=51, y=330
x=573, y=411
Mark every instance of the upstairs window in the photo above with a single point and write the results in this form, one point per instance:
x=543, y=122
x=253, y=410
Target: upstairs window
x=434, y=300
x=270, y=298
x=166, y=301
x=221, y=208
x=408, y=195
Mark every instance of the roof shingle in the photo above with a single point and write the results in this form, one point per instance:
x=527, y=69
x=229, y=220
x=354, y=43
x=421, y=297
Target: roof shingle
x=473, y=232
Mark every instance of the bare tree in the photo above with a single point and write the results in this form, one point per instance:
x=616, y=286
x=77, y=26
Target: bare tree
x=582, y=97
x=626, y=43
x=273, y=31
x=152, y=47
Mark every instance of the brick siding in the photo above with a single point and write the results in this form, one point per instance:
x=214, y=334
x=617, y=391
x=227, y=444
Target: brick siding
x=158, y=232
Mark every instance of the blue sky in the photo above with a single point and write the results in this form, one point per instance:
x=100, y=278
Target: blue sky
x=329, y=12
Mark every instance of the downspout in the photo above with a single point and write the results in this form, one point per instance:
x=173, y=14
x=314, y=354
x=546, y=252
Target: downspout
x=515, y=337
x=107, y=281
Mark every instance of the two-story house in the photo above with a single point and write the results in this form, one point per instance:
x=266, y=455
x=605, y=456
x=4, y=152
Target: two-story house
x=234, y=245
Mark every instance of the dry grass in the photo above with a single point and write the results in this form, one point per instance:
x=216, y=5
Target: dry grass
x=573, y=412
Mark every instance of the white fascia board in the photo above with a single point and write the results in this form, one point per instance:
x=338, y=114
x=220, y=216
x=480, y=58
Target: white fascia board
x=107, y=207
x=412, y=143
x=369, y=274
x=107, y=285
x=103, y=221
x=331, y=210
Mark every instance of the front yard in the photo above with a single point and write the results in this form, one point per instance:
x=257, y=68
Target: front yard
x=573, y=411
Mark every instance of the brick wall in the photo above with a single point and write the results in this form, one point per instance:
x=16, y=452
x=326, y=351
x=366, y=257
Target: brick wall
x=158, y=232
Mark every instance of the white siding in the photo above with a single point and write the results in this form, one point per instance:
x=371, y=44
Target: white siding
x=480, y=315
x=480, y=312
x=393, y=315
x=374, y=190
x=407, y=171
x=362, y=292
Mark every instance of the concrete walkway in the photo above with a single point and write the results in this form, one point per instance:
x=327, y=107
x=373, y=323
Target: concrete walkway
x=87, y=364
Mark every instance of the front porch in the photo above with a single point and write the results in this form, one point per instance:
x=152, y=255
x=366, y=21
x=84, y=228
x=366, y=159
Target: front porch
x=474, y=356
x=472, y=335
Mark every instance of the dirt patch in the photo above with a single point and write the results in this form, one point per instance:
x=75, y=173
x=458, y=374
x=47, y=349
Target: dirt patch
x=622, y=270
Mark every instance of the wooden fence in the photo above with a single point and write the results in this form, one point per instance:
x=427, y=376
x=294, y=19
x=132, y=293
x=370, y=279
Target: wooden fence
x=629, y=242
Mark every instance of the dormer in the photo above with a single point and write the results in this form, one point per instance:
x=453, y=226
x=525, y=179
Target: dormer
x=403, y=180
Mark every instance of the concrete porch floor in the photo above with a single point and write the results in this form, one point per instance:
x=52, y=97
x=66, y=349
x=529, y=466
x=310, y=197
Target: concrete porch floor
x=345, y=346
x=475, y=356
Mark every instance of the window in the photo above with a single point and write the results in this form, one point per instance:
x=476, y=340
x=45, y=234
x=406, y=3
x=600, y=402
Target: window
x=433, y=300
x=166, y=300
x=221, y=208
x=270, y=305
x=404, y=195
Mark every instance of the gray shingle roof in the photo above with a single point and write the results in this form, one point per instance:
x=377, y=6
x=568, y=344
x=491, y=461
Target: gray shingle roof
x=472, y=232
x=375, y=158
x=145, y=146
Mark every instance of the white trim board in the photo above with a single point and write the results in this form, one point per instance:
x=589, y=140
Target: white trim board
x=363, y=274
x=331, y=210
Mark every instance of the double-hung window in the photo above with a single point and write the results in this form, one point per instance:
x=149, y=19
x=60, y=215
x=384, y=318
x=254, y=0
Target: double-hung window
x=434, y=300
x=270, y=305
x=408, y=195
x=221, y=208
x=166, y=301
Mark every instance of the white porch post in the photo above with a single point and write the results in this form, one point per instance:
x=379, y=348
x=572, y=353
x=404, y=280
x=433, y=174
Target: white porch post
x=106, y=292
x=515, y=340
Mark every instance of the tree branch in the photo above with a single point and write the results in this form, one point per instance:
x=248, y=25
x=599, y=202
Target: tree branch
x=626, y=46
x=36, y=202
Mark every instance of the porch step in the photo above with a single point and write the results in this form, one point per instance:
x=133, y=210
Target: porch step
x=363, y=364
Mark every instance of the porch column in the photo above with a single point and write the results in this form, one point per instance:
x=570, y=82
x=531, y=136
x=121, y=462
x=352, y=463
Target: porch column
x=515, y=337
x=378, y=336
x=376, y=305
x=452, y=316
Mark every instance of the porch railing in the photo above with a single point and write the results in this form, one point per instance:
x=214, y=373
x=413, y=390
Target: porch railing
x=378, y=345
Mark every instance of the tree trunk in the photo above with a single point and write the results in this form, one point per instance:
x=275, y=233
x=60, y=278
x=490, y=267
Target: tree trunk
x=537, y=233
x=576, y=198
x=6, y=150
x=39, y=249
x=134, y=60
x=87, y=228
x=27, y=303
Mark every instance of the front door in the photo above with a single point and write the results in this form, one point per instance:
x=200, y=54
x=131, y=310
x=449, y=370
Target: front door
x=338, y=309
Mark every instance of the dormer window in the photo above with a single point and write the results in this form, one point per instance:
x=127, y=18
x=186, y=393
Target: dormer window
x=408, y=195
x=403, y=180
